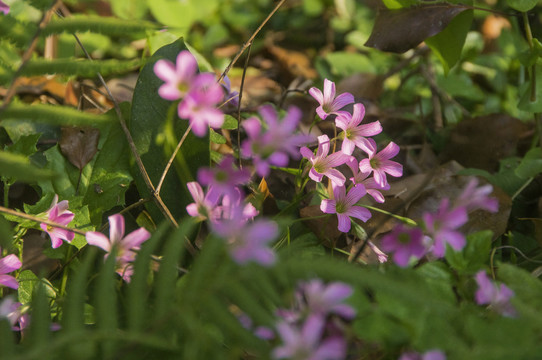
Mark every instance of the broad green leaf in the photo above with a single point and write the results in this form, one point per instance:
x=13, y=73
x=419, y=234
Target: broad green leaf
x=25, y=145
x=447, y=44
x=230, y=123
x=27, y=282
x=156, y=131
x=398, y=4
x=129, y=9
x=475, y=254
x=531, y=164
x=528, y=102
x=522, y=5
x=216, y=137
x=182, y=14
x=18, y=167
x=6, y=234
x=104, y=180
x=345, y=63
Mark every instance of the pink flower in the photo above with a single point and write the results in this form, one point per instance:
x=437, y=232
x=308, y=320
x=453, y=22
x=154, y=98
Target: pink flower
x=329, y=104
x=277, y=142
x=380, y=163
x=344, y=206
x=59, y=214
x=442, y=227
x=362, y=178
x=178, y=77
x=355, y=134
x=404, y=242
x=474, y=197
x=232, y=97
x=223, y=179
x=248, y=241
x=429, y=355
x=200, y=104
x=4, y=8
x=8, y=264
x=306, y=343
x=322, y=164
x=205, y=206
x=327, y=299
x=124, y=245
x=497, y=297
x=11, y=310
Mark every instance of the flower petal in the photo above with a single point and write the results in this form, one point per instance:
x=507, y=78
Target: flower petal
x=98, y=239
x=116, y=228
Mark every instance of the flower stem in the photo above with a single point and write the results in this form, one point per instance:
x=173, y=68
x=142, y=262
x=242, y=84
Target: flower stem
x=65, y=274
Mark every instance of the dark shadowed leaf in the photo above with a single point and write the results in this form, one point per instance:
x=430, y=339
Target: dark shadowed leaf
x=403, y=29
x=79, y=144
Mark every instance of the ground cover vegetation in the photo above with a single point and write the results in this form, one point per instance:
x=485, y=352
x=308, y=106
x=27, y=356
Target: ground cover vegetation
x=293, y=179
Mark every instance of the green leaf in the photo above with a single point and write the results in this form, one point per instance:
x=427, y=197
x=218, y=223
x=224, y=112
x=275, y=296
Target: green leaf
x=18, y=167
x=25, y=145
x=129, y=9
x=475, y=254
x=52, y=115
x=216, y=137
x=6, y=234
x=398, y=4
x=230, y=123
x=182, y=14
x=345, y=63
x=526, y=102
x=156, y=131
x=531, y=164
x=101, y=24
x=447, y=44
x=79, y=67
x=522, y=5
x=27, y=282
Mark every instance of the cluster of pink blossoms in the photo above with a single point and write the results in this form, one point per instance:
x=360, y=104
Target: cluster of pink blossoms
x=229, y=215
x=439, y=228
x=199, y=93
x=369, y=175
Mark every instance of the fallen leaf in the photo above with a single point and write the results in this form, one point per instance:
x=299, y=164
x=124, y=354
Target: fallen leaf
x=403, y=29
x=79, y=144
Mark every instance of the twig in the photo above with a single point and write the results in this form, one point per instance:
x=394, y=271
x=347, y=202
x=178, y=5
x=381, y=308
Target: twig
x=39, y=220
x=168, y=165
x=28, y=54
x=239, y=104
x=250, y=40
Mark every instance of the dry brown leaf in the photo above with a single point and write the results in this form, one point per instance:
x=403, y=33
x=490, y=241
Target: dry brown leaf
x=79, y=144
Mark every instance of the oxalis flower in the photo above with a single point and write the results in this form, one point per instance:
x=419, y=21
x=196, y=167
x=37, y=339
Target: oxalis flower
x=329, y=104
x=497, y=297
x=223, y=179
x=59, y=214
x=404, y=242
x=124, y=245
x=353, y=133
x=8, y=264
x=319, y=298
x=380, y=164
x=178, y=76
x=322, y=164
x=4, y=8
x=344, y=206
x=442, y=227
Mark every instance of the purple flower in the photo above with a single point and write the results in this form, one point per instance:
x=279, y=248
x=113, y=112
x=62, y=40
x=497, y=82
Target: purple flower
x=262, y=332
x=59, y=214
x=327, y=299
x=11, y=310
x=234, y=208
x=232, y=97
x=474, y=197
x=404, y=242
x=306, y=343
x=275, y=144
x=4, y=8
x=362, y=178
x=204, y=206
x=178, y=77
x=442, y=227
x=8, y=264
x=344, y=206
x=355, y=134
x=429, y=355
x=223, y=178
x=329, y=104
x=248, y=241
x=497, y=297
x=322, y=164
x=380, y=163
x=124, y=245
x=200, y=104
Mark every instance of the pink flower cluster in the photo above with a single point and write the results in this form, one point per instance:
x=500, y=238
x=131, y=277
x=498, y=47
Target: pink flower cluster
x=199, y=92
x=313, y=329
x=229, y=215
x=440, y=228
x=369, y=175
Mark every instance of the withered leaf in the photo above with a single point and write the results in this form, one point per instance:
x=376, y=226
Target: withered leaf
x=403, y=29
x=79, y=144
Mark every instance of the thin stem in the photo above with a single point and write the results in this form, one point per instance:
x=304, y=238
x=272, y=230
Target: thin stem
x=239, y=105
x=6, y=193
x=65, y=274
x=250, y=40
x=40, y=220
x=168, y=165
x=529, y=36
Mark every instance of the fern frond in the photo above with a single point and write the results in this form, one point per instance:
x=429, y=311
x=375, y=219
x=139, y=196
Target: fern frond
x=79, y=67
x=52, y=115
x=101, y=25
